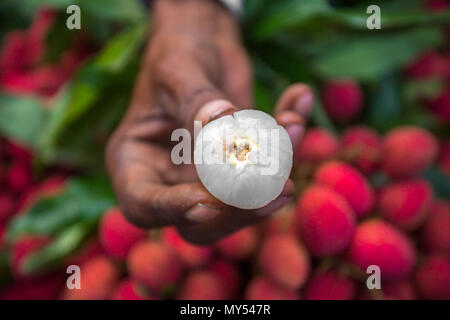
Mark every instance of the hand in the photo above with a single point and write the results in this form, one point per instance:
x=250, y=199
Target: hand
x=194, y=68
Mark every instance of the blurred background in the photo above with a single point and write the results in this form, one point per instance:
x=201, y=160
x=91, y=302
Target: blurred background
x=381, y=118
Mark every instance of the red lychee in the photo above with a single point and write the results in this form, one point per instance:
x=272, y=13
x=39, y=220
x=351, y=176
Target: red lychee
x=326, y=221
x=349, y=183
x=379, y=243
x=19, y=177
x=443, y=161
x=343, y=99
x=117, y=235
x=440, y=105
x=154, y=265
x=191, y=255
x=262, y=288
x=361, y=145
x=6, y=206
x=399, y=290
x=330, y=286
x=433, y=278
x=436, y=230
x=45, y=287
x=317, y=145
x=229, y=275
x=407, y=151
x=239, y=245
x=285, y=261
x=428, y=64
x=202, y=285
x=129, y=289
x=98, y=278
x=406, y=203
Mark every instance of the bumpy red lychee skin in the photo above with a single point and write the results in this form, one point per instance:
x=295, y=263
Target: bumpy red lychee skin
x=129, y=289
x=343, y=99
x=399, y=290
x=154, y=265
x=285, y=261
x=19, y=177
x=330, y=286
x=436, y=230
x=192, y=256
x=349, y=183
x=361, y=145
x=23, y=248
x=378, y=243
x=326, y=221
x=317, y=145
x=406, y=203
x=429, y=64
x=6, y=206
x=239, y=245
x=263, y=288
x=202, y=285
x=407, y=151
x=117, y=235
x=229, y=275
x=433, y=278
x=98, y=278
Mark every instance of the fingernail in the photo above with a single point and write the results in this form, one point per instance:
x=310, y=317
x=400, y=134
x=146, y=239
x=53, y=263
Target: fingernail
x=274, y=205
x=295, y=132
x=201, y=212
x=304, y=104
x=212, y=109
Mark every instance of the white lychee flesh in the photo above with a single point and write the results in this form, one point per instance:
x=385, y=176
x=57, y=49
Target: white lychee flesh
x=244, y=159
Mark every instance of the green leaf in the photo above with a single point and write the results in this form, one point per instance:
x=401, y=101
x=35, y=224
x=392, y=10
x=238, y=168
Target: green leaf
x=289, y=14
x=21, y=118
x=384, y=105
x=58, y=39
x=82, y=201
x=371, y=56
x=439, y=181
x=87, y=110
x=51, y=256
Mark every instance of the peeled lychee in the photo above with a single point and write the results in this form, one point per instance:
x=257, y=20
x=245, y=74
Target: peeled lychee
x=285, y=261
x=433, y=278
x=98, y=278
x=154, y=265
x=239, y=245
x=191, y=255
x=343, y=99
x=407, y=151
x=361, y=145
x=436, y=229
x=378, y=243
x=406, y=203
x=349, y=183
x=326, y=221
x=317, y=145
x=263, y=288
x=202, y=285
x=330, y=286
x=117, y=235
x=245, y=159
